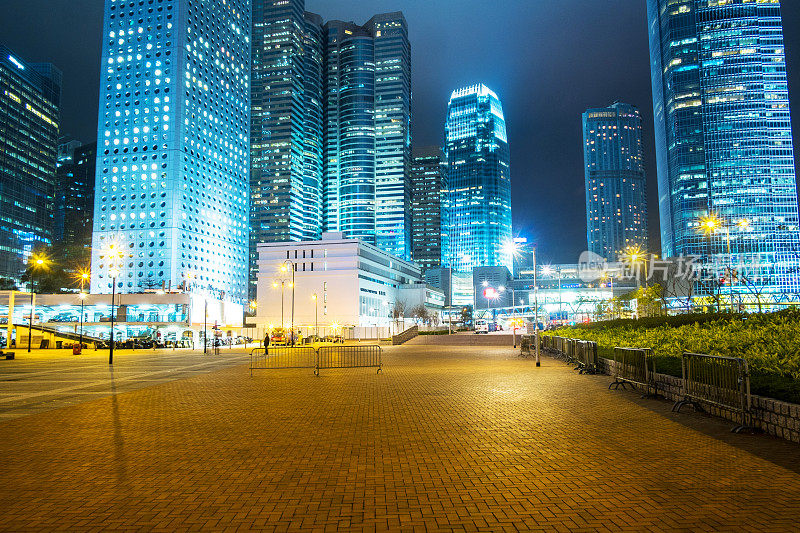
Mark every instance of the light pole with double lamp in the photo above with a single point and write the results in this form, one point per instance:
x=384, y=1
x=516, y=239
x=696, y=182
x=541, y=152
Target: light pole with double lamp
x=38, y=263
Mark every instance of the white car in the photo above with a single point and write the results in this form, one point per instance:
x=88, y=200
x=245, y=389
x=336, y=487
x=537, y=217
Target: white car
x=481, y=326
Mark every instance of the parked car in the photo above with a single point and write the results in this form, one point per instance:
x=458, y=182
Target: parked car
x=279, y=337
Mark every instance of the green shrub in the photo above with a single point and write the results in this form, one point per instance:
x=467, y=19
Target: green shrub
x=770, y=342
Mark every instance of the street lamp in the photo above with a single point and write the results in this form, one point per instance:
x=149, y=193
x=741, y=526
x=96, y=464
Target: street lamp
x=83, y=276
x=316, y=315
x=289, y=264
x=710, y=224
x=38, y=263
x=115, y=254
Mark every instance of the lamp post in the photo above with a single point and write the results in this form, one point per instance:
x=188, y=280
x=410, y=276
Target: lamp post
x=38, y=263
x=280, y=283
x=205, y=326
x=316, y=315
x=289, y=264
x=114, y=273
x=84, y=277
x=115, y=254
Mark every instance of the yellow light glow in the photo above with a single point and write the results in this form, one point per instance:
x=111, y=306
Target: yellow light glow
x=313, y=296
x=283, y=268
x=275, y=284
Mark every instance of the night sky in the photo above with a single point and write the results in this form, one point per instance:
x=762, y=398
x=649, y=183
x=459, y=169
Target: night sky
x=548, y=60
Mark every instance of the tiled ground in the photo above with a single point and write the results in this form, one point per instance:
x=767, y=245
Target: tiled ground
x=456, y=438
x=49, y=379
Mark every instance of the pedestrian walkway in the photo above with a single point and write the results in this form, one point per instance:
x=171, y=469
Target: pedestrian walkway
x=446, y=438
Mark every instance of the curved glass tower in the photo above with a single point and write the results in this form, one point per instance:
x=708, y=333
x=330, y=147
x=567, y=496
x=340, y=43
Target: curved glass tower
x=479, y=180
x=723, y=136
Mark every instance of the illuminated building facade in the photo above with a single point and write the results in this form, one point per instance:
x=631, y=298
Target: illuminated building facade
x=616, y=212
x=479, y=180
x=367, y=158
x=428, y=208
x=172, y=180
x=74, y=204
x=723, y=135
x=286, y=124
x=30, y=110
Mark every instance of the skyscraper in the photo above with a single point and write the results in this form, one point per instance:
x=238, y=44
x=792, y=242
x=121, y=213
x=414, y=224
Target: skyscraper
x=723, y=132
x=367, y=131
x=286, y=125
x=330, y=127
x=428, y=207
x=479, y=180
x=74, y=204
x=616, y=212
x=30, y=111
x=173, y=147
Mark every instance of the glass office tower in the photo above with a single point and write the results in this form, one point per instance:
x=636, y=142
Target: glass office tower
x=172, y=180
x=616, y=212
x=331, y=135
x=74, y=204
x=367, y=131
x=30, y=111
x=479, y=180
x=723, y=134
x=286, y=125
x=428, y=207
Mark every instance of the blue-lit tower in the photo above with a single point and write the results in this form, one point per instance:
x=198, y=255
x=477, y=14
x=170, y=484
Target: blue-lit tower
x=367, y=133
x=172, y=179
x=723, y=135
x=479, y=180
x=616, y=209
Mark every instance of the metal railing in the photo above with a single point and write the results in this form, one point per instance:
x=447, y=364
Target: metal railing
x=405, y=336
x=635, y=366
x=363, y=356
x=586, y=357
x=719, y=381
x=339, y=356
x=526, y=344
x=276, y=357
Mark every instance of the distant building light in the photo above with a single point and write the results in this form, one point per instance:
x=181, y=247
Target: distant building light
x=16, y=62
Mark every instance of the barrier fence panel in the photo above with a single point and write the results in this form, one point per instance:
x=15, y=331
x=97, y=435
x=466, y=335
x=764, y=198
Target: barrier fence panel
x=349, y=357
x=586, y=357
x=525, y=344
x=719, y=381
x=635, y=366
x=282, y=357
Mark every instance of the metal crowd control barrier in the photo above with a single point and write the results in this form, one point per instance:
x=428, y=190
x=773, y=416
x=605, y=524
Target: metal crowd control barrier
x=276, y=357
x=715, y=380
x=637, y=367
x=340, y=356
x=586, y=357
x=525, y=344
x=367, y=356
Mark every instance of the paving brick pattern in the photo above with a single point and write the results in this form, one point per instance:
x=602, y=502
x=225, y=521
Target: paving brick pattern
x=456, y=438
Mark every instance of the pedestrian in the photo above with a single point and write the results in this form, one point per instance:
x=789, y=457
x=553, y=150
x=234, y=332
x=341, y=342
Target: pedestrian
x=266, y=344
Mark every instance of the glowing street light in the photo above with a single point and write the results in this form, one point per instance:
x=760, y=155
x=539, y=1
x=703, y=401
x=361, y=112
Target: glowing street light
x=316, y=314
x=37, y=263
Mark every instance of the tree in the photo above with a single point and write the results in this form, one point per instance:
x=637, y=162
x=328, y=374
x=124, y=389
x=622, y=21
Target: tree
x=399, y=310
x=7, y=284
x=420, y=314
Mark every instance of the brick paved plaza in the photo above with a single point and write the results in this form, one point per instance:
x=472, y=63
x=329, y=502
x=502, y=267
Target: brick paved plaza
x=447, y=438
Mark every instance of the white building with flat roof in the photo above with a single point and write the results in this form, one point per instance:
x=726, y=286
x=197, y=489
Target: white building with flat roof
x=337, y=284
